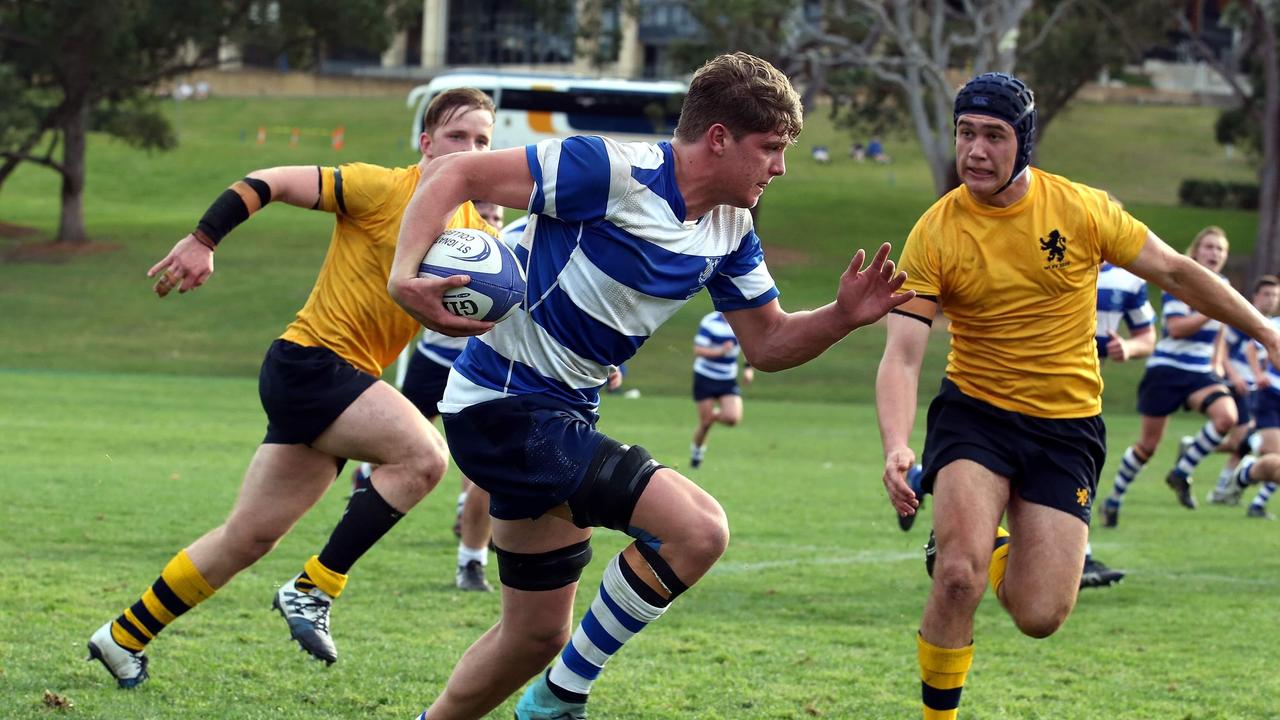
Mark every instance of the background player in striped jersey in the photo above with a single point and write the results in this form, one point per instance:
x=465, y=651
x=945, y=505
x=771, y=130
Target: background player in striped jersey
x=1264, y=469
x=1122, y=299
x=626, y=234
x=1180, y=374
x=1244, y=368
x=321, y=391
x=715, y=380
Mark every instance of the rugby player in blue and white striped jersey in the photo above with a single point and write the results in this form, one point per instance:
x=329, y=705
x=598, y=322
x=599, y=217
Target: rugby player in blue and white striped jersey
x=1180, y=374
x=715, y=380
x=626, y=234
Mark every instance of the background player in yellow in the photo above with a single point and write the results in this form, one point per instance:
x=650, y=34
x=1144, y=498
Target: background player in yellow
x=1011, y=257
x=321, y=391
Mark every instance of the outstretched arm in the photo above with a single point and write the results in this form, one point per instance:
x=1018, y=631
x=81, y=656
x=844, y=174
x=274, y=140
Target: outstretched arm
x=773, y=339
x=190, y=262
x=501, y=177
x=897, y=392
x=1188, y=281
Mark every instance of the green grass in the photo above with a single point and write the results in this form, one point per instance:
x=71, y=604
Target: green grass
x=127, y=422
x=811, y=613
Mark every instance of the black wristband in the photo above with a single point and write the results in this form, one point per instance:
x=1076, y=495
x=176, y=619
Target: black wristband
x=233, y=206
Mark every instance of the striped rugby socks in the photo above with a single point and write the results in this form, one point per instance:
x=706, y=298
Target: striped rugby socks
x=179, y=588
x=942, y=675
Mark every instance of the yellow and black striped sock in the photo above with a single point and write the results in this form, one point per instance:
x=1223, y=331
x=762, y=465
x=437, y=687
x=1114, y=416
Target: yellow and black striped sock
x=179, y=588
x=942, y=673
x=315, y=574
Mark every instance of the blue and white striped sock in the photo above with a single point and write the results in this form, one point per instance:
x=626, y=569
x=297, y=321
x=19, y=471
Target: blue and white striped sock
x=1207, y=440
x=1130, y=465
x=1264, y=494
x=622, y=608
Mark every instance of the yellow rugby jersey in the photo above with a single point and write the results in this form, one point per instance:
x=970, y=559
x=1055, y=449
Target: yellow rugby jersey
x=349, y=310
x=1019, y=285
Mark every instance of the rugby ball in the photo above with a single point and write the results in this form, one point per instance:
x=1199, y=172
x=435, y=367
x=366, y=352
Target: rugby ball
x=497, y=284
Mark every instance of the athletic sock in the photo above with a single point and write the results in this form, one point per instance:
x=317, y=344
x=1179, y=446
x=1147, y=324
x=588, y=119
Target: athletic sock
x=1131, y=463
x=999, y=561
x=179, y=588
x=466, y=555
x=1264, y=494
x=942, y=674
x=1241, y=476
x=367, y=519
x=697, y=452
x=624, y=606
x=1205, y=442
x=1225, y=478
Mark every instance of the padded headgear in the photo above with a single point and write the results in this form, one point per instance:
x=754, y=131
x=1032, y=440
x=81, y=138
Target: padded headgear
x=1004, y=97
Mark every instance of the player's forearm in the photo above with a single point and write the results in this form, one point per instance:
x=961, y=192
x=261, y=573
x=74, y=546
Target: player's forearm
x=798, y=337
x=897, y=391
x=436, y=199
x=1142, y=344
x=1204, y=292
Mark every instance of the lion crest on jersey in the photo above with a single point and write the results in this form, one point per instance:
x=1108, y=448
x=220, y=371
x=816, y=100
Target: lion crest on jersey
x=1056, y=247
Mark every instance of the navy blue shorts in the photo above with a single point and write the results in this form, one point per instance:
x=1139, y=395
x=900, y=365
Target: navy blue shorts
x=1163, y=389
x=1266, y=409
x=529, y=451
x=1051, y=462
x=304, y=389
x=424, y=382
x=1244, y=406
x=705, y=388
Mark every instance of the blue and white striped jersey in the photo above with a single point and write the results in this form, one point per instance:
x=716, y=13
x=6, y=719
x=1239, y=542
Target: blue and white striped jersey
x=445, y=349
x=1193, y=354
x=1236, y=342
x=611, y=258
x=714, y=332
x=1122, y=297
x=1273, y=374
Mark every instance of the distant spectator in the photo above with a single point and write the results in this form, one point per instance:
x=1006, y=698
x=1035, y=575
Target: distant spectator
x=875, y=151
x=821, y=154
x=202, y=90
x=858, y=152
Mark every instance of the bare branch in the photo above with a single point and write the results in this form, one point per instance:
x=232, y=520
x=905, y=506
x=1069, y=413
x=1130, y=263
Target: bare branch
x=38, y=160
x=1226, y=73
x=1055, y=16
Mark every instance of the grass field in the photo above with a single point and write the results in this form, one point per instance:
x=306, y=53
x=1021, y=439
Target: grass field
x=127, y=423
x=811, y=613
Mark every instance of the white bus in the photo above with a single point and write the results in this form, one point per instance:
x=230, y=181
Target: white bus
x=535, y=107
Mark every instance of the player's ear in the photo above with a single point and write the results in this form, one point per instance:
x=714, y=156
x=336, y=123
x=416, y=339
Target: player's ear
x=717, y=138
x=424, y=143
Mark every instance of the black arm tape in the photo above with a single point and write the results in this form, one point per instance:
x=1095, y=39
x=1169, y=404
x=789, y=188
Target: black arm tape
x=1214, y=397
x=660, y=568
x=233, y=207
x=538, y=572
x=614, y=480
x=913, y=316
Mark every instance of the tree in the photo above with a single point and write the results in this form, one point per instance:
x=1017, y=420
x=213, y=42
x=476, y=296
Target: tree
x=1258, y=117
x=68, y=66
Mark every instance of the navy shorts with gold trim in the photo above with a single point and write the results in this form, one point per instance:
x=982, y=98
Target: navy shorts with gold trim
x=304, y=389
x=529, y=451
x=1051, y=462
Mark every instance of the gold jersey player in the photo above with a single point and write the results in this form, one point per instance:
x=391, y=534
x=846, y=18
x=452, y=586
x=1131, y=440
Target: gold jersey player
x=1011, y=257
x=320, y=388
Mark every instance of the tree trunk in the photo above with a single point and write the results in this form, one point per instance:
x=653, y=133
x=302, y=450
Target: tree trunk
x=75, y=130
x=1267, y=250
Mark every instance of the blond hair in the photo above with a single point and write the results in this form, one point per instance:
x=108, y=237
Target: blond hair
x=743, y=93
x=1207, y=232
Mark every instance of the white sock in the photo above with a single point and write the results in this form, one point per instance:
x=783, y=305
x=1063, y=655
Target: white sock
x=466, y=555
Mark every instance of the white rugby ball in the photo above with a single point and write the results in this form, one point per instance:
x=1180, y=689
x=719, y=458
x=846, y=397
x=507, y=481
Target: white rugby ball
x=497, y=284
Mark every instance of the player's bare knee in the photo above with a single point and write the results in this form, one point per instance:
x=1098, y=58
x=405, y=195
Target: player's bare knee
x=960, y=580
x=730, y=420
x=423, y=470
x=1041, y=622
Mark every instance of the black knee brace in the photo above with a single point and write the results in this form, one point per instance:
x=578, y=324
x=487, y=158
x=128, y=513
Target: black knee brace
x=543, y=571
x=1212, y=398
x=611, y=488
